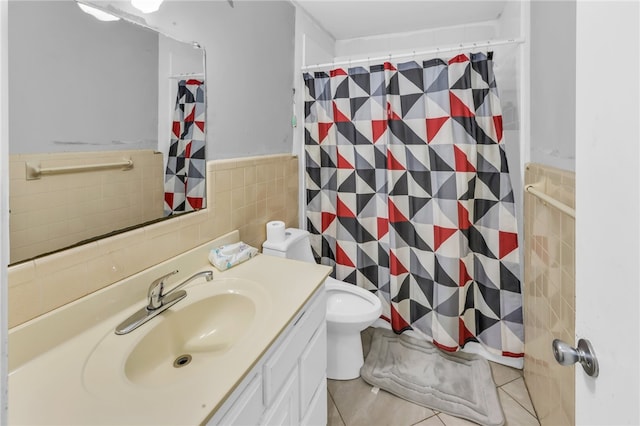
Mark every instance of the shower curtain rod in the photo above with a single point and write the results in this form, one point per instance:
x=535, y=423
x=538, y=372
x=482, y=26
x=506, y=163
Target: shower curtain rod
x=187, y=75
x=461, y=46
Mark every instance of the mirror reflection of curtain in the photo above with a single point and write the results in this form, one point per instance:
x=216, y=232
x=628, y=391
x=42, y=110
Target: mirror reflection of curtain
x=184, y=187
x=409, y=196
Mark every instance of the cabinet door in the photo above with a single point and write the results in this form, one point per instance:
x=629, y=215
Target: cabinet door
x=284, y=410
x=285, y=358
x=247, y=409
x=317, y=412
x=313, y=367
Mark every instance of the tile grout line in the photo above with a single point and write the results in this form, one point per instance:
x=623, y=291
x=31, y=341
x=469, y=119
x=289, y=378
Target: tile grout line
x=337, y=409
x=520, y=376
x=440, y=420
x=525, y=408
x=435, y=414
x=506, y=383
x=534, y=414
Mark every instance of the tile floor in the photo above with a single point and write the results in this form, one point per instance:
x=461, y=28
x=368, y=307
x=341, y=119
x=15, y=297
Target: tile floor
x=351, y=402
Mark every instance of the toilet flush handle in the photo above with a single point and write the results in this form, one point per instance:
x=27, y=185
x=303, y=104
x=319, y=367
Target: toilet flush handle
x=583, y=354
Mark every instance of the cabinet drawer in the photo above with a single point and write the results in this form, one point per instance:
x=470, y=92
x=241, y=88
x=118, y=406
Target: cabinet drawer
x=313, y=367
x=285, y=358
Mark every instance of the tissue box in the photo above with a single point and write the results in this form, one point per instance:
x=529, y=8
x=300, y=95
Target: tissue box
x=230, y=255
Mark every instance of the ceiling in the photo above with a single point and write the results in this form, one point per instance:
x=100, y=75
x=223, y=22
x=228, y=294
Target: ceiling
x=359, y=18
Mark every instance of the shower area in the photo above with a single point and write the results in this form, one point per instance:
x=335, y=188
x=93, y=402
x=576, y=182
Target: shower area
x=413, y=183
x=415, y=145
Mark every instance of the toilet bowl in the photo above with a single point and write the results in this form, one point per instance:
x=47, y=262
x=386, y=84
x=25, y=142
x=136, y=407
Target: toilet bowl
x=350, y=309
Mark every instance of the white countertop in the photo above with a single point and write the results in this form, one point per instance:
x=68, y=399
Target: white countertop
x=48, y=383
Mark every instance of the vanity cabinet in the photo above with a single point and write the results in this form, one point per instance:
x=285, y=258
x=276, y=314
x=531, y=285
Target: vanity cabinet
x=288, y=385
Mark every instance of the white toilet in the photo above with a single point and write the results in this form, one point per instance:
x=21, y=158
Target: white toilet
x=350, y=309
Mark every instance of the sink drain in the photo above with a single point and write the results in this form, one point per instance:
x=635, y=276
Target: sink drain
x=182, y=360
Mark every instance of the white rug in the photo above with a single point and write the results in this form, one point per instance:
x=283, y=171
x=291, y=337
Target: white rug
x=458, y=384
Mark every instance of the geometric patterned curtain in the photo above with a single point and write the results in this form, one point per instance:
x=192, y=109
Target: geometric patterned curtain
x=409, y=196
x=184, y=185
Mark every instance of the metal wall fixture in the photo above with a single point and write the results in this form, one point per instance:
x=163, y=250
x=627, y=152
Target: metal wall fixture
x=34, y=171
x=550, y=200
x=583, y=354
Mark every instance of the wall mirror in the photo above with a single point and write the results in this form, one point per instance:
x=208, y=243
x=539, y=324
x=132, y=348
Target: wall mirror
x=93, y=109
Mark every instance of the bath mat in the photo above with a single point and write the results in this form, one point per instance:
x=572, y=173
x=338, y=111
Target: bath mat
x=459, y=384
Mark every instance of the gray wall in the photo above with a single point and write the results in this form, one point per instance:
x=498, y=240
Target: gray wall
x=75, y=79
x=250, y=57
x=553, y=89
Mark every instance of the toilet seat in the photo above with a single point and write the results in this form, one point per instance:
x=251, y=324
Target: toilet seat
x=348, y=303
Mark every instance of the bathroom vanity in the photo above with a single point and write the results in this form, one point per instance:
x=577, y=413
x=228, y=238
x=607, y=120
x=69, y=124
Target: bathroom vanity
x=248, y=347
x=287, y=386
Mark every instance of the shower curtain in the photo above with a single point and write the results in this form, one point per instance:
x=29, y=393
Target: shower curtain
x=409, y=196
x=184, y=184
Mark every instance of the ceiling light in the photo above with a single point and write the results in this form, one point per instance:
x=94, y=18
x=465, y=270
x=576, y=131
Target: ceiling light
x=146, y=6
x=97, y=13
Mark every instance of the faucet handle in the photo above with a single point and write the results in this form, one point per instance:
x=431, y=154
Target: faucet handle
x=156, y=289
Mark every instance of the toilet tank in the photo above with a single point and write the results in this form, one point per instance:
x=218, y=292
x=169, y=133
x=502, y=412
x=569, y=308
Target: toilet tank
x=295, y=246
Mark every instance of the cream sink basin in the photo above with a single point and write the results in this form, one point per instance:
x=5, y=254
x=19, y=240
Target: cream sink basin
x=211, y=324
x=202, y=329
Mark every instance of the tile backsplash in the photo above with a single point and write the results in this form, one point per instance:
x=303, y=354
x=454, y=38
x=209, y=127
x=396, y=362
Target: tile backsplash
x=549, y=293
x=61, y=209
x=242, y=193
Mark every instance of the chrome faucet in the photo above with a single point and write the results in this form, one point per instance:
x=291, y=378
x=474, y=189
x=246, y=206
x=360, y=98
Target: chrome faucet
x=156, y=295
x=158, y=301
